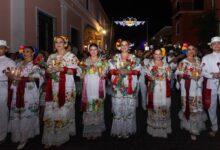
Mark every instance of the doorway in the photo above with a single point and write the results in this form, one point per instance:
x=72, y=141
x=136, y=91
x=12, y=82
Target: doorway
x=75, y=41
x=45, y=31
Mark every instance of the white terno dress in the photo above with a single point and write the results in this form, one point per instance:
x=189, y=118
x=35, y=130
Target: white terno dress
x=59, y=119
x=5, y=63
x=192, y=115
x=124, y=96
x=159, y=100
x=93, y=96
x=24, y=119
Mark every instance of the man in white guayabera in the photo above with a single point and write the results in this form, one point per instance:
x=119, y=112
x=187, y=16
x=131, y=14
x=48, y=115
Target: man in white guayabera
x=5, y=64
x=211, y=89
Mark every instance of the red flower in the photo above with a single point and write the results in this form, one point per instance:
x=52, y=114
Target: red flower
x=168, y=69
x=38, y=60
x=115, y=80
x=132, y=63
x=155, y=68
x=181, y=65
x=82, y=64
x=148, y=77
x=191, y=69
x=21, y=47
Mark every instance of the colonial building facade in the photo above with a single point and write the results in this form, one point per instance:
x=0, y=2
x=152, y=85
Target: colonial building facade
x=185, y=16
x=36, y=22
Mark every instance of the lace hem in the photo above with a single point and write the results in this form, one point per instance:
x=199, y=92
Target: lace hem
x=159, y=132
x=195, y=124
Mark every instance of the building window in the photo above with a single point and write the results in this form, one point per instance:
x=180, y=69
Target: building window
x=45, y=28
x=198, y=4
x=87, y=4
x=177, y=28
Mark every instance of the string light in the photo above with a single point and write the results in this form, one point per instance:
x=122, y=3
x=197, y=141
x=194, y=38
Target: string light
x=130, y=22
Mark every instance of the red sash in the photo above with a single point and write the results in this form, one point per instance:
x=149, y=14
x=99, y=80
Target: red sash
x=101, y=88
x=130, y=90
x=132, y=72
x=187, y=87
x=150, y=100
x=20, y=92
x=114, y=72
x=62, y=87
x=150, y=95
x=168, y=88
x=206, y=95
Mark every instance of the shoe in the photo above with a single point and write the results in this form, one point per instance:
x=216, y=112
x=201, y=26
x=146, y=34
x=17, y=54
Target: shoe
x=212, y=134
x=193, y=137
x=21, y=145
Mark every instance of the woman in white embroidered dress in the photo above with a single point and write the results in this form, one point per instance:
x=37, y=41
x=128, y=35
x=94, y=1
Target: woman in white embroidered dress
x=24, y=109
x=192, y=115
x=158, y=80
x=124, y=70
x=59, y=115
x=93, y=95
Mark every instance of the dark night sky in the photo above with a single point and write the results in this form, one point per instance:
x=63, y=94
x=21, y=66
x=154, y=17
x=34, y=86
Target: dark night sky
x=157, y=12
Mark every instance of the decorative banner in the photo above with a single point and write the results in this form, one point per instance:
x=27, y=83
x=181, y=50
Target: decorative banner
x=130, y=22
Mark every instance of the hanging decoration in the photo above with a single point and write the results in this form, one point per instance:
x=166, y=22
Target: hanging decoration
x=129, y=22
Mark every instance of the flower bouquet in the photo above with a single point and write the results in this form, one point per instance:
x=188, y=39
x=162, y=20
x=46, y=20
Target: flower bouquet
x=39, y=60
x=125, y=68
x=96, y=105
x=91, y=69
x=101, y=66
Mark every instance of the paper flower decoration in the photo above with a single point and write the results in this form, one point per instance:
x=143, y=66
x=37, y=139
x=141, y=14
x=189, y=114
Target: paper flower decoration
x=185, y=48
x=21, y=49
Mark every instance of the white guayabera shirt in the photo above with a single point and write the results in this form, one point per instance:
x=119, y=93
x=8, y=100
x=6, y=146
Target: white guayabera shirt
x=209, y=66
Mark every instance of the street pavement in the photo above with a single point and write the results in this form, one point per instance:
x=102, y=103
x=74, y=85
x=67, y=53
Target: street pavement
x=177, y=140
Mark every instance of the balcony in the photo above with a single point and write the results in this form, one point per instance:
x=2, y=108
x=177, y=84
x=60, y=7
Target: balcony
x=196, y=5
